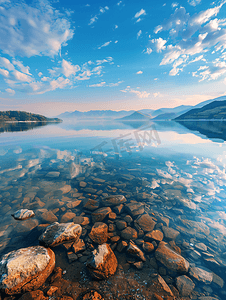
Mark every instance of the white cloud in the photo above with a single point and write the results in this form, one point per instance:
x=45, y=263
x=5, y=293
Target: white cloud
x=148, y=51
x=44, y=30
x=10, y=91
x=21, y=76
x=5, y=63
x=139, y=72
x=159, y=44
x=157, y=94
x=98, y=84
x=140, y=13
x=5, y=73
x=104, y=45
x=68, y=68
x=194, y=2
x=95, y=18
x=139, y=34
x=100, y=62
x=40, y=74
x=140, y=94
x=120, y=2
x=192, y=36
x=174, y=4
x=22, y=68
x=116, y=26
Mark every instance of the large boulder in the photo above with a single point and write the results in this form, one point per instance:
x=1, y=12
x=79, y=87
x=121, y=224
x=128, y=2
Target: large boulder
x=25, y=269
x=103, y=263
x=56, y=234
x=171, y=259
x=99, y=233
x=113, y=200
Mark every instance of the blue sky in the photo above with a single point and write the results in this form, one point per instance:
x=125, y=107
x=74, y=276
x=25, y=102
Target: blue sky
x=58, y=56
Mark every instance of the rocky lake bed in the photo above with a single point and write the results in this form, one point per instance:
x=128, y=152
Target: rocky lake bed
x=111, y=229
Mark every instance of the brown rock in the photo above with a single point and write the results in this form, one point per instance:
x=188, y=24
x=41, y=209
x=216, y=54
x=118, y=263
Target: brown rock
x=113, y=200
x=99, y=233
x=170, y=233
x=146, y=222
x=92, y=295
x=73, y=204
x=103, y=264
x=129, y=233
x=121, y=246
x=155, y=235
x=185, y=285
x=26, y=269
x=133, y=250
x=170, y=259
x=99, y=214
x=49, y=217
x=160, y=287
x=79, y=246
x=134, y=209
x=148, y=247
x=52, y=290
x=90, y=204
x=81, y=220
x=121, y=225
x=34, y=295
x=118, y=209
x=68, y=216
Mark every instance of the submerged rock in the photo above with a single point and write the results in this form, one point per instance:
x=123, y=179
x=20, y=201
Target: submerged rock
x=129, y=233
x=113, y=200
x=146, y=222
x=25, y=269
x=99, y=233
x=56, y=234
x=133, y=250
x=23, y=214
x=99, y=214
x=103, y=264
x=202, y=275
x=185, y=285
x=160, y=287
x=171, y=259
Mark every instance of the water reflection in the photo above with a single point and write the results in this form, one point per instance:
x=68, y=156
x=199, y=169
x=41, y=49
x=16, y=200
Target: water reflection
x=21, y=126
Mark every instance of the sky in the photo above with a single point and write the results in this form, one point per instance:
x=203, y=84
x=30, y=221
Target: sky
x=58, y=56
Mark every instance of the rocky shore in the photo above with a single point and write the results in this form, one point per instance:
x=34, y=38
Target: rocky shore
x=107, y=234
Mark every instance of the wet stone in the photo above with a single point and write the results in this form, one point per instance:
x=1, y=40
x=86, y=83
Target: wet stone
x=99, y=214
x=113, y=200
x=121, y=246
x=185, y=285
x=53, y=174
x=134, y=209
x=68, y=216
x=148, y=247
x=23, y=214
x=155, y=235
x=99, y=233
x=79, y=246
x=56, y=234
x=81, y=220
x=73, y=204
x=146, y=222
x=90, y=204
x=201, y=274
x=129, y=233
x=134, y=250
x=82, y=184
x=92, y=295
x=121, y=225
x=118, y=209
x=201, y=246
x=171, y=259
x=71, y=257
x=89, y=190
x=160, y=287
x=170, y=233
x=65, y=189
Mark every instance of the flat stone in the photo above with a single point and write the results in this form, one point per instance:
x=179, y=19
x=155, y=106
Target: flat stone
x=25, y=269
x=90, y=204
x=48, y=217
x=121, y=225
x=184, y=285
x=160, y=287
x=99, y=233
x=196, y=227
x=171, y=259
x=99, y=214
x=218, y=280
x=129, y=233
x=81, y=220
x=66, y=189
x=79, y=246
x=56, y=234
x=113, y=200
x=133, y=250
x=68, y=216
x=90, y=190
x=170, y=233
x=103, y=264
x=135, y=209
x=201, y=246
x=53, y=174
x=155, y=235
x=82, y=184
x=201, y=274
x=23, y=214
x=146, y=222
x=73, y=204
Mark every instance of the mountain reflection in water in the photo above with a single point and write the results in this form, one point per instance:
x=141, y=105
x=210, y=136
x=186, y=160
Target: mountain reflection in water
x=20, y=126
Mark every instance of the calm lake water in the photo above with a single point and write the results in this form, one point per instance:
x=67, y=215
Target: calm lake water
x=176, y=170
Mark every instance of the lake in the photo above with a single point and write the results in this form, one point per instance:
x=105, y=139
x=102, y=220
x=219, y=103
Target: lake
x=175, y=172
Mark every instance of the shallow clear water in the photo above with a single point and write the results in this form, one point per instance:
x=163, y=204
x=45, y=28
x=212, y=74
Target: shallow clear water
x=175, y=172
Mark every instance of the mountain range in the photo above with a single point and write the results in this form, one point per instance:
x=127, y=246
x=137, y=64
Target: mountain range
x=162, y=114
